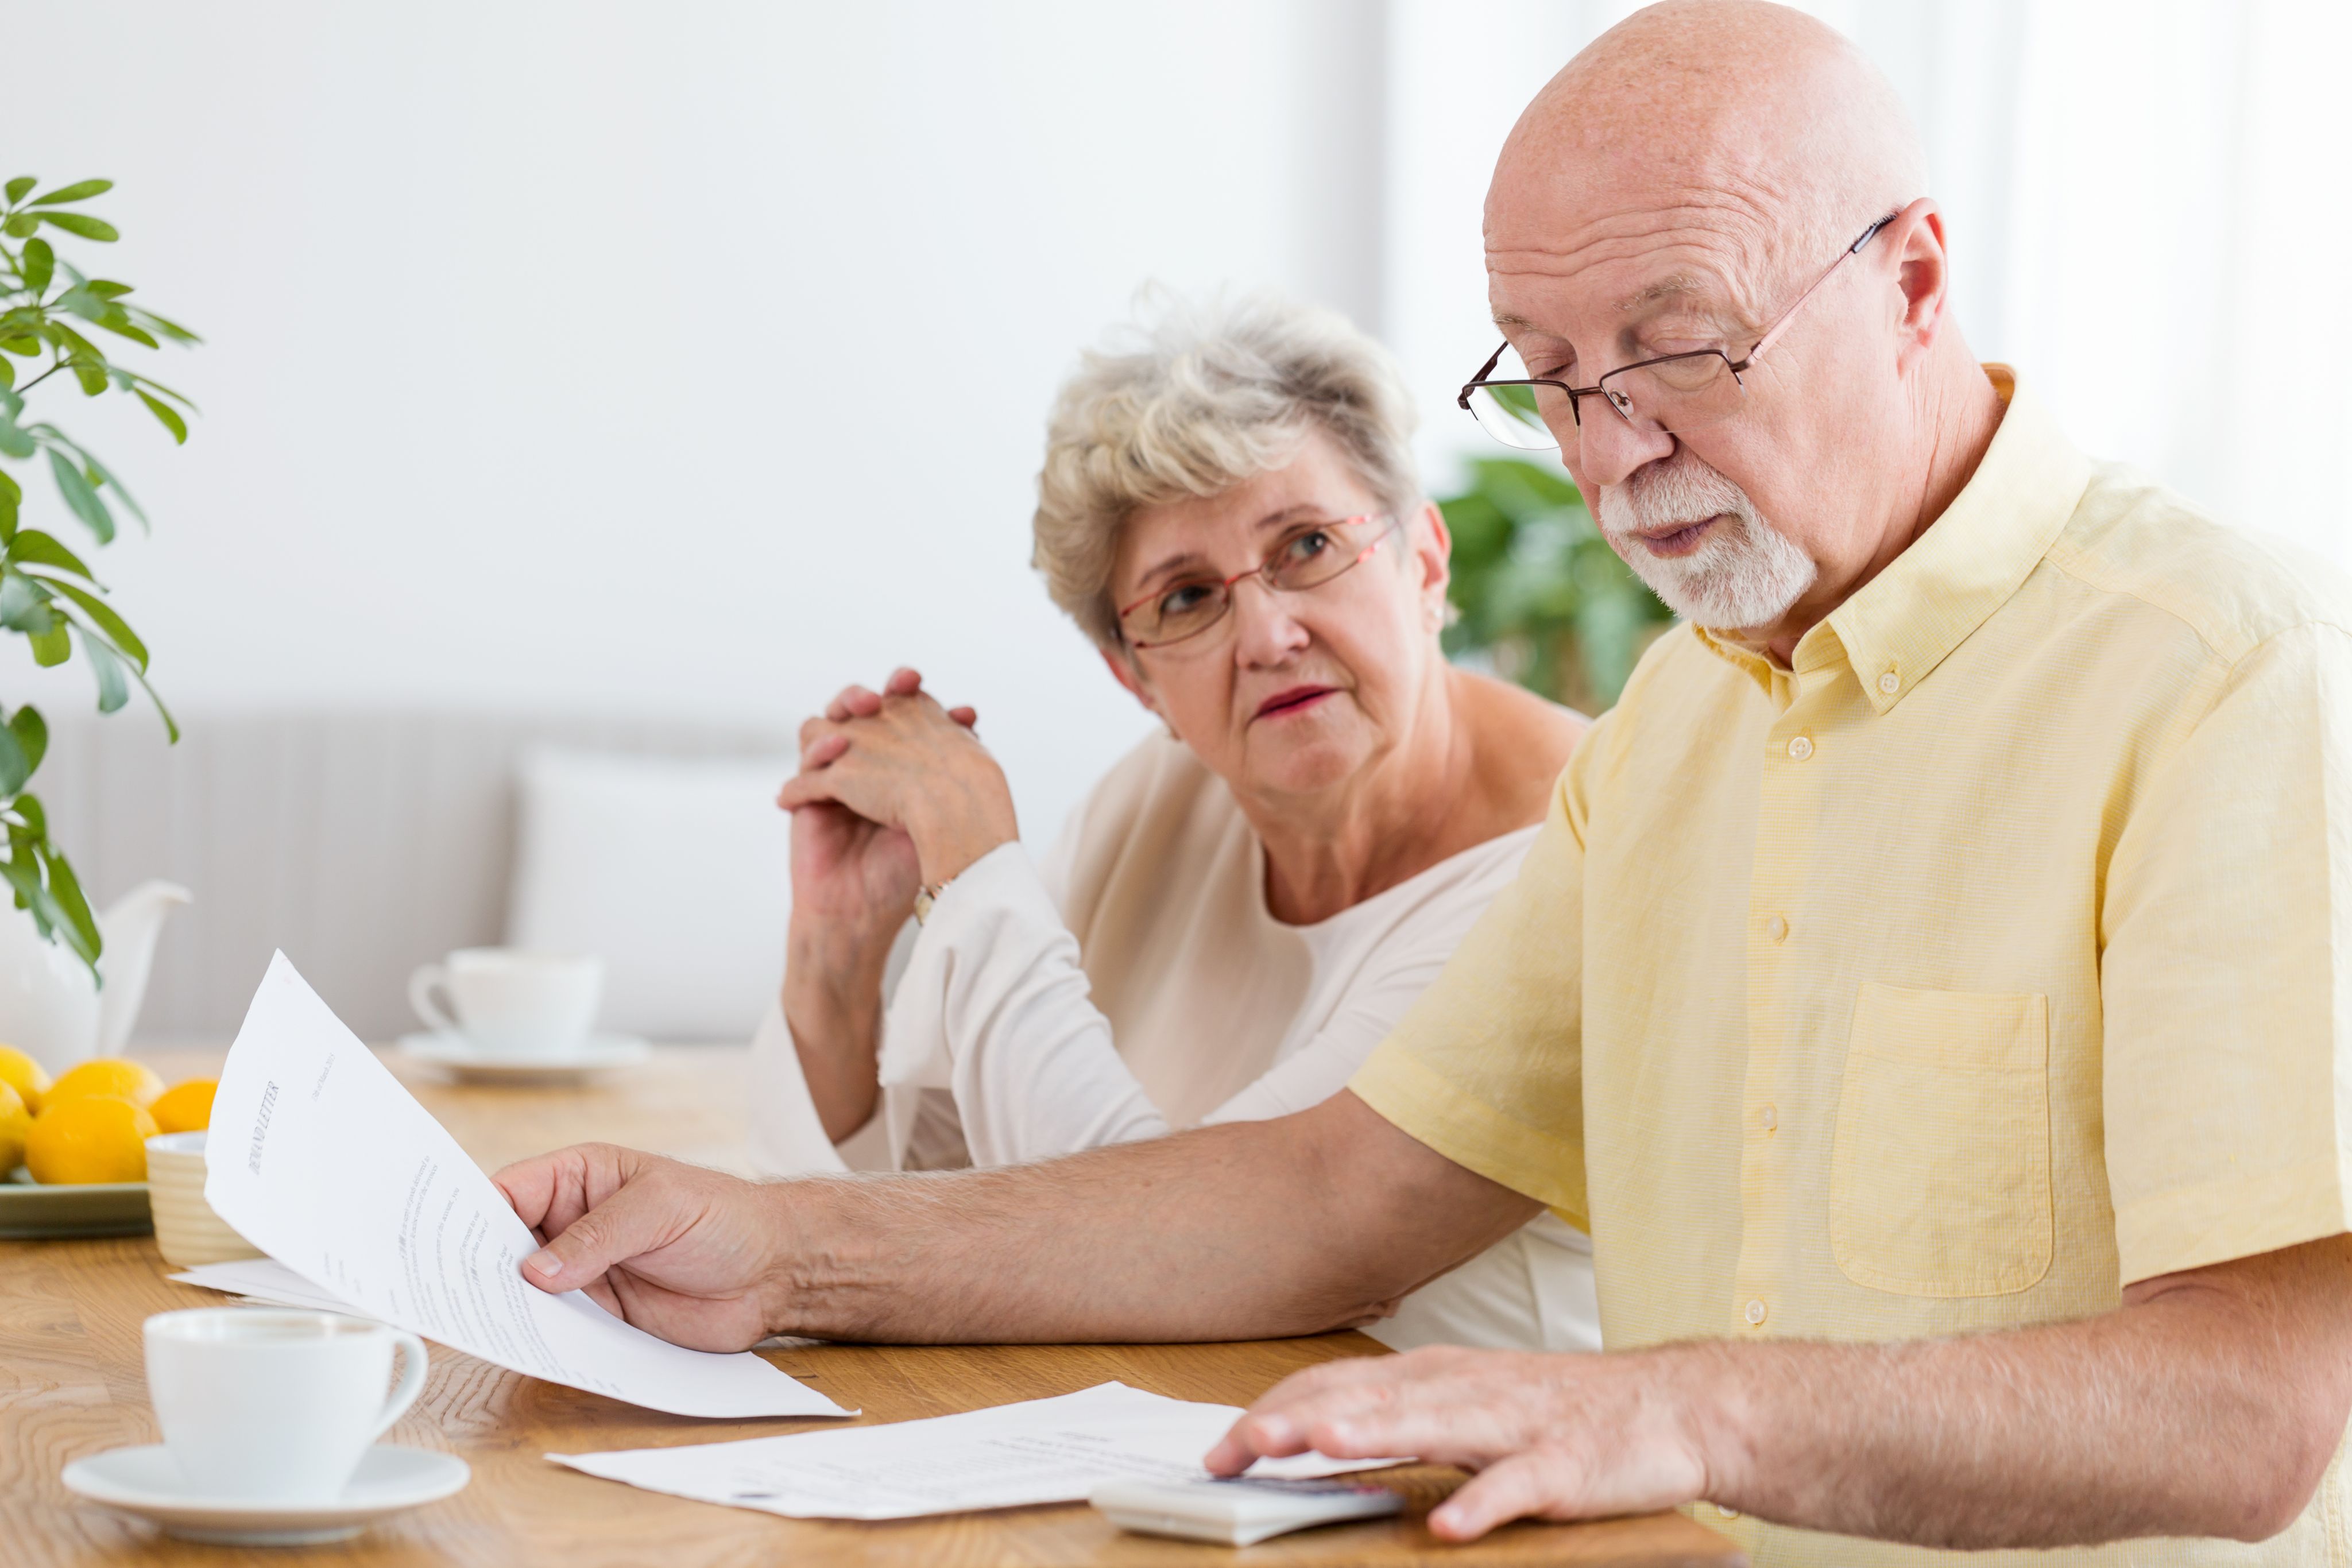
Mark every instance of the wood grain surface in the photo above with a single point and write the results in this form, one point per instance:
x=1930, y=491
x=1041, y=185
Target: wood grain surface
x=71, y=1384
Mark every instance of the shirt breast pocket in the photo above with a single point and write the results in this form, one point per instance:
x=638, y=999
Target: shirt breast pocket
x=1939, y=1184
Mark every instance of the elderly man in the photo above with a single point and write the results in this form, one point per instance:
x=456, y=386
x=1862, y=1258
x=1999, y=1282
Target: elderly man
x=1930, y=989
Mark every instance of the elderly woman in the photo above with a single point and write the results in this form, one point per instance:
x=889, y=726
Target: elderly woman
x=1243, y=907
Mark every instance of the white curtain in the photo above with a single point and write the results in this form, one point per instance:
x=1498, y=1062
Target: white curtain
x=2150, y=206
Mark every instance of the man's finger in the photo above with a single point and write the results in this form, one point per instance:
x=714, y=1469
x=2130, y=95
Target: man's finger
x=632, y=1221
x=1520, y=1487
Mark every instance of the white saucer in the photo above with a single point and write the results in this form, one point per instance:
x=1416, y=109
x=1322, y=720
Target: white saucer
x=146, y=1482
x=468, y=1063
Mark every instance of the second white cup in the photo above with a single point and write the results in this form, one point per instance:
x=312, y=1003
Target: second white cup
x=275, y=1406
x=505, y=1001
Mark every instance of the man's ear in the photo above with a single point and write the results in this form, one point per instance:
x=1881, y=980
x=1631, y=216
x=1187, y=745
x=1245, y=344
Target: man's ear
x=1924, y=273
x=1121, y=665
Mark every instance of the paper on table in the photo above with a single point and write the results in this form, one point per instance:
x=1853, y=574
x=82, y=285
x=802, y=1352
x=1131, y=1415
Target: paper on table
x=1008, y=1456
x=319, y=1157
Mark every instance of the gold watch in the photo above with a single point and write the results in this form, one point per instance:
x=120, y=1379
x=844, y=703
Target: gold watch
x=926, y=895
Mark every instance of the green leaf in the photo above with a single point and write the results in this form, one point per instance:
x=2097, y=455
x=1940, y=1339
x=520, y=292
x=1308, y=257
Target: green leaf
x=37, y=819
x=94, y=378
x=24, y=603
x=18, y=186
x=31, y=894
x=113, y=686
x=79, y=190
x=32, y=733
x=7, y=374
x=52, y=646
x=171, y=725
x=29, y=347
x=82, y=498
x=14, y=443
x=80, y=224
x=40, y=263
x=169, y=328
x=11, y=496
x=79, y=930
x=21, y=225
x=106, y=476
x=107, y=289
x=16, y=768
x=123, y=327
x=118, y=630
x=36, y=548
x=169, y=417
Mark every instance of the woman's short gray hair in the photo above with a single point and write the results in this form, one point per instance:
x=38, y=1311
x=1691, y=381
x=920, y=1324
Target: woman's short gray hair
x=1193, y=400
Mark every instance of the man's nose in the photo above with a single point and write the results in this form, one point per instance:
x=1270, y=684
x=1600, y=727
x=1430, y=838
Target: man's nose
x=1609, y=449
x=1265, y=632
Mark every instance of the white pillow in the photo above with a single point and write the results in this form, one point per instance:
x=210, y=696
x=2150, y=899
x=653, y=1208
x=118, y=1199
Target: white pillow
x=675, y=870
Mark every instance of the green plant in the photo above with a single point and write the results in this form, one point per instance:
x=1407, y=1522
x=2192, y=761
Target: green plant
x=47, y=595
x=1539, y=593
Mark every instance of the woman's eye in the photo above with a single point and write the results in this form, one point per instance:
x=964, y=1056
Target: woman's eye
x=1184, y=597
x=1305, y=547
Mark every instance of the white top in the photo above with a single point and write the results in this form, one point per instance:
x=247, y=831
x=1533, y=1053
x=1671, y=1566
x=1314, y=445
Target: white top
x=1136, y=984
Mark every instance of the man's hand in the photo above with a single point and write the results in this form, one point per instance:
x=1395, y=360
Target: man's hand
x=679, y=1251
x=1550, y=1436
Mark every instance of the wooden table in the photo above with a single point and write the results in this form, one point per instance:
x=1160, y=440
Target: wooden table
x=71, y=1384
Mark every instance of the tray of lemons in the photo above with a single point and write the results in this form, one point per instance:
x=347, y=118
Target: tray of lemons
x=75, y=1150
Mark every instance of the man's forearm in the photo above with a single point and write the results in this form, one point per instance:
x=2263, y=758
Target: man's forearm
x=1316, y=1221
x=2164, y=1418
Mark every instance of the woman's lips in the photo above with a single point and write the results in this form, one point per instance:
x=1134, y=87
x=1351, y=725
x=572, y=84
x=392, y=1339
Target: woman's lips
x=1298, y=699
x=1678, y=541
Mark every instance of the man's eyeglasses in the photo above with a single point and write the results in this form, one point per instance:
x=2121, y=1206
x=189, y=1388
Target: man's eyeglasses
x=1309, y=557
x=1672, y=392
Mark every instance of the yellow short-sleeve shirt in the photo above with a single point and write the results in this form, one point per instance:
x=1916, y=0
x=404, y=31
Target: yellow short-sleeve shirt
x=1994, y=955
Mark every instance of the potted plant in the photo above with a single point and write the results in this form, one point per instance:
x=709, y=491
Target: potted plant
x=1539, y=595
x=50, y=314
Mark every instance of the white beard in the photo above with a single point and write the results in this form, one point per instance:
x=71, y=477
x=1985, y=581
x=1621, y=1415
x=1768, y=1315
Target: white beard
x=1743, y=576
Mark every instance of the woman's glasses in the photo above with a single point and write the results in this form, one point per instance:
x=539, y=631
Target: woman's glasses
x=1309, y=557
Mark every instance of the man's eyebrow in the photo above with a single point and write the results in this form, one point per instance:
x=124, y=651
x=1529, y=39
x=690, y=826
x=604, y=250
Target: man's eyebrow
x=1505, y=320
x=1679, y=286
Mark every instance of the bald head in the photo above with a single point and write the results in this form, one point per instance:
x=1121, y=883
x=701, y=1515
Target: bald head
x=1752, y=118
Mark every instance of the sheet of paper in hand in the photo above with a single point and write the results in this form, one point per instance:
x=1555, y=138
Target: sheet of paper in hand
x=320, y=1158
x=1008, y=1456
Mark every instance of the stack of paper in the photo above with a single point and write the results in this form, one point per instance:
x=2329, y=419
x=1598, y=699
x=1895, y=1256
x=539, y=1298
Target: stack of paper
x=1042, y=1450
x=320, y=1158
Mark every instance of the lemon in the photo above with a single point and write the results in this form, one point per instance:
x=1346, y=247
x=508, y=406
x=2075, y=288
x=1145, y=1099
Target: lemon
x=184, y=1107
x=24, y=1075
x=14, y=1122
x=89, y=1139
x=132, y=1081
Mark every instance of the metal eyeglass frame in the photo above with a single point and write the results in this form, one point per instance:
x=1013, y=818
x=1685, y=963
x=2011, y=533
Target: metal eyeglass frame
x=1261, y=571
x=1617, y=401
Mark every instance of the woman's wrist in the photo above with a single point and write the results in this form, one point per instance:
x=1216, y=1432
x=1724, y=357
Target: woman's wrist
x=956, y=827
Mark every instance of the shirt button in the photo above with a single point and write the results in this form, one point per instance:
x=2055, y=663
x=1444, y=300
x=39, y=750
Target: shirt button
x=1778, y=928
x=1890, y=682
x=1770, y=1119
x=1755, y=1312
x=1799, y=748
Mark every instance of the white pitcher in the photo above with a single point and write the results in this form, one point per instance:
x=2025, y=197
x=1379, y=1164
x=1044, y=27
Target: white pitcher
x=49, y=1006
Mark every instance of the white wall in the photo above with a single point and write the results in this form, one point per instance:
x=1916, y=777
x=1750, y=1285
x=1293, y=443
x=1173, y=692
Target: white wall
x=692, y=358
x=680, y=358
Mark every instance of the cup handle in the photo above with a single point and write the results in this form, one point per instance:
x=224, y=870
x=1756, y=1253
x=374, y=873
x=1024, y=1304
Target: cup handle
x=420, y=995
x=411, y=1381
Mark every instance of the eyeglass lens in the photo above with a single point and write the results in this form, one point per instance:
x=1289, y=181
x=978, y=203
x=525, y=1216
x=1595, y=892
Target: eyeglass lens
x=1306, y=558
x=1684, y=393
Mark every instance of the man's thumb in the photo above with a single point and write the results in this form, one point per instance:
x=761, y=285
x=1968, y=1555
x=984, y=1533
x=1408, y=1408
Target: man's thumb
x=612, y=1233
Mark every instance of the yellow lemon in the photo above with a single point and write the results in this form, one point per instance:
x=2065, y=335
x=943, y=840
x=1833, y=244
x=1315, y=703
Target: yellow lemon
x=110, y=1075
x=14, y=1122
x=184, y=1107
x=90, y=1138
x=24, y=1075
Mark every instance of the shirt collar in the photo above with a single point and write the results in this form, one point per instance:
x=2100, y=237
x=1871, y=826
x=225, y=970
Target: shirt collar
x=1902, y=623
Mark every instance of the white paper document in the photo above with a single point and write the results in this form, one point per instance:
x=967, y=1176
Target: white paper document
x=263, y=1280
x=320, y=1158
x=1040, y=1451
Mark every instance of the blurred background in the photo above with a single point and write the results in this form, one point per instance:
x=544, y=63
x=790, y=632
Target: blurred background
x=589, y=389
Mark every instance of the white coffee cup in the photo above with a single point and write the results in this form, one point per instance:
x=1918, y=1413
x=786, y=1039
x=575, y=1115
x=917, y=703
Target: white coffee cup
x=275, y=1406
x=508, y=1002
